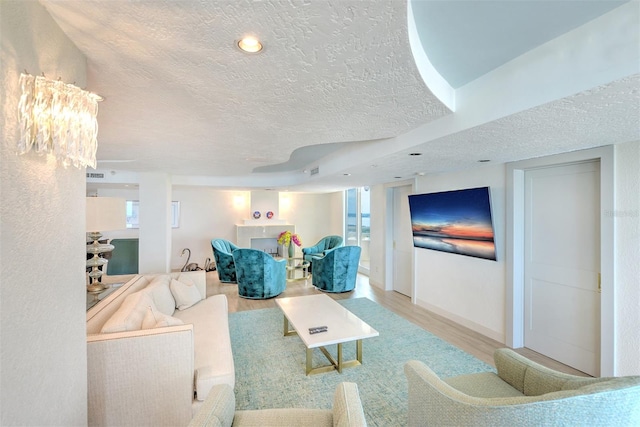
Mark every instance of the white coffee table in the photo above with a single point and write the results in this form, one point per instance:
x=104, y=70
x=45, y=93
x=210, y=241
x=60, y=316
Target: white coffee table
x=342, y=326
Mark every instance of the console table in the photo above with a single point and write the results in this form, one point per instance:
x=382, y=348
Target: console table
x=95, y=298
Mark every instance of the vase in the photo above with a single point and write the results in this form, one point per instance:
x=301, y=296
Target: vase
x=291, y=250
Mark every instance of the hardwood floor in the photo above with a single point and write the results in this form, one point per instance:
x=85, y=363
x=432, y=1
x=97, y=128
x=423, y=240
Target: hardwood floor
x=470, y=341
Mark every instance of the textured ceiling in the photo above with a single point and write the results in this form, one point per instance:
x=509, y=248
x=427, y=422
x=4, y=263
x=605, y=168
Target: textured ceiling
x=584, y=120
x=335, y=84
x=182, y=98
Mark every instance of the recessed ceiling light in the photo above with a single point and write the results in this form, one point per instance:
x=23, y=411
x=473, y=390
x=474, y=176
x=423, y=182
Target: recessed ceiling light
x=484, y=161
x=250, y=44
x=415, y=154
x=397, y=177
x=346, y=174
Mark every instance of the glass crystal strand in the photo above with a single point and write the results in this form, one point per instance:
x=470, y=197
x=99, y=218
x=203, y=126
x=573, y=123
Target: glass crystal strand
x=92, y=148
x=88, y=128
x=42, y=115
x=85, y=118
x=58, y=128
x=25, y=109
x=73, y=124
x=89, y=143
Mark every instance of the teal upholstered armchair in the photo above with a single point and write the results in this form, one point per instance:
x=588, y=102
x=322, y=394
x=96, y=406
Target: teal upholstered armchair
x=319, y=249
x=259, y=276
x=337, y=270
x=522, y=393
x=222, y=253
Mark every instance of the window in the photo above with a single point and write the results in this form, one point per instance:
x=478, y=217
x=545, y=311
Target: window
x=133, y=219
x=358, y=222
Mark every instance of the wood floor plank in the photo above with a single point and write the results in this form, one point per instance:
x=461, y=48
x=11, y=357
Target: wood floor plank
x=464, y=338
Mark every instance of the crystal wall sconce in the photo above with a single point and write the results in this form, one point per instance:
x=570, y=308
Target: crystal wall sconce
x=59, y=119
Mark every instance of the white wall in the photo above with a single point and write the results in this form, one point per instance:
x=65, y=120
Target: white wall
x=336, y=213
x=378, y=208
x=155, y=223
x=627, y=263
x=208, y=213
x=127, y=194
x=470, y=291
x=205, y=214
x=314, y=215
x=43, y=365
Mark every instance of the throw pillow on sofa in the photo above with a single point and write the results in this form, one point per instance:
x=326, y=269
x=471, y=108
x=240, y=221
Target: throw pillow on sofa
x=185, y=294
x=161, y=294
x=156, y=319
x=129, y=315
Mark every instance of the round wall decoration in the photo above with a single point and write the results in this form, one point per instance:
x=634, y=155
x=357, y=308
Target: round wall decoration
x=269, y=215
x=256, y=215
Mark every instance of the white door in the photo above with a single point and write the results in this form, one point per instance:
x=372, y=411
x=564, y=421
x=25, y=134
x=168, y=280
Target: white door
x=562, y=264
x=402, y=241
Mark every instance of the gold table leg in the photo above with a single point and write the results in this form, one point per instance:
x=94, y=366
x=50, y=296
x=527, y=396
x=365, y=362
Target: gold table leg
x=288, y=331
x=337, y=365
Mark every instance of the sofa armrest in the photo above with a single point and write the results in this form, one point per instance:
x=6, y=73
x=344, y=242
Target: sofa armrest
x=213, y=360
x=218, y=408
x=433, y=402
x=528, y=377
x=141, y=377
x=317, y=249
x=347, y=407
x=328, y=251
x=308, y=251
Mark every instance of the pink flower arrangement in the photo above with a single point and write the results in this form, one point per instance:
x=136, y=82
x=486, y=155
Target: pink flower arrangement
x=286, y=237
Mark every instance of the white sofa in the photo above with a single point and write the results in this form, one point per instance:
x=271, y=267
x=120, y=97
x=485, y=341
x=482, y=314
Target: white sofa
x=150, y=363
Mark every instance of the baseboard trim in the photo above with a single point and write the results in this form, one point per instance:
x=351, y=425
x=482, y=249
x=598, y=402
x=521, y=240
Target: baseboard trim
x=377, y=284
x=497, y=336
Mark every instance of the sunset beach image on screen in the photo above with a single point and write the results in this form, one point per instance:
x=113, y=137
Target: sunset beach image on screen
x=456, y=221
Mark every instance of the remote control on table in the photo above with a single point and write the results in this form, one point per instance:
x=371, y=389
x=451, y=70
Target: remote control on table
x=317, y=329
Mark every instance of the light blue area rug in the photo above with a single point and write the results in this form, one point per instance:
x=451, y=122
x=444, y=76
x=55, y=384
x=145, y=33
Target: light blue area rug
x=270, y=368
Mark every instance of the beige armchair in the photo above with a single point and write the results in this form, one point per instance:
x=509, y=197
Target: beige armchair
x=218, y=410
x=523, y=393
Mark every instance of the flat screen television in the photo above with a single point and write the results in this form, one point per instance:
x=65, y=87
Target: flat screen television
x=457, y=221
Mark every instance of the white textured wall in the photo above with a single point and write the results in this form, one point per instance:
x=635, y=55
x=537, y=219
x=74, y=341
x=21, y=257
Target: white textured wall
x=378, y=230
x=314, y=215
x=127, y=194
x=470, y=291
x=43, y=378
x=155, y=223
x=207, y=213
x=627, y=263
x=264, y=201
x=336, y=212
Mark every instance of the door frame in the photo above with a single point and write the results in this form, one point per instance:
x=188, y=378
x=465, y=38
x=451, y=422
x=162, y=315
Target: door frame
x=515, y=187
x=388, y=238
x=363, y=270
